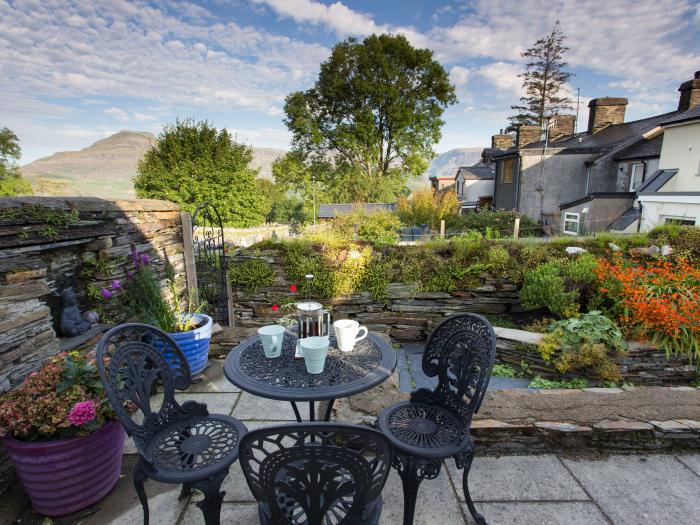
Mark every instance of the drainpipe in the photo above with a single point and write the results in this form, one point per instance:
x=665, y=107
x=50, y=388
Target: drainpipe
x=639, y=221
x=517, y=184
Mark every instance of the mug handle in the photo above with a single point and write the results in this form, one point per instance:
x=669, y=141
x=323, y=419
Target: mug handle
x=274, y=341
x=361, y=337
x=326, y=323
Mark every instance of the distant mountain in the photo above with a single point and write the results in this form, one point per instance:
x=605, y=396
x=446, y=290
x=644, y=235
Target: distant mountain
x=446, y=164
x=106, y=168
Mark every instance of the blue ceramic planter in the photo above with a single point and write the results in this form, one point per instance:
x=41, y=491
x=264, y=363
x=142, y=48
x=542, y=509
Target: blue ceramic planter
x=195, y=343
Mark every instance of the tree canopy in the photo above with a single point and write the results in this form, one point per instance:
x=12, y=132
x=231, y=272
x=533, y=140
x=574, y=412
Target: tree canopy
x=369, y=122
x=194, y=163
x=11, y=181
x=543, y=81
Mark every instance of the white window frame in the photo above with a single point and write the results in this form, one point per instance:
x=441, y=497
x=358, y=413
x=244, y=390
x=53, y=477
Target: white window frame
x=571, y=217
x=632, y=170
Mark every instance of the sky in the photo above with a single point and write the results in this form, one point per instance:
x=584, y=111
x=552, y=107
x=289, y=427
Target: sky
x=73, y=72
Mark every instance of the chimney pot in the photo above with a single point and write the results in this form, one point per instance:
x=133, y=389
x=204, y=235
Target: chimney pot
x=690, y=93
x=563, y=125
x=604, y=112
x=501, y=141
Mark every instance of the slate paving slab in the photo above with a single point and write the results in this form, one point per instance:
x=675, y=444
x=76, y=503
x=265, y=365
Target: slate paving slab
x=213, y=380
x=641, y=489
x=541, y=513
x=692, y=461
x=231, y=514
x=518, y=478
x=252, y=407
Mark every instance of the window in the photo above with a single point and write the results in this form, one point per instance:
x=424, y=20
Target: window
x=637, y=177
x=680, y=221
x=571, y=224
x=507, y=168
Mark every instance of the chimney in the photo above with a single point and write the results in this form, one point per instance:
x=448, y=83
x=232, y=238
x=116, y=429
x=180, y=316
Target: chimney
x=563, y=125
x=501, y=141
x=690, y=93
x=528, y=135
x=605, y=112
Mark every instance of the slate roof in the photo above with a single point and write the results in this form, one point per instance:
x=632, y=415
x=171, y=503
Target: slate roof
x=605, y=140
x=479, y=171
x=684, y=116
x=643, y=149
x=623, y=221
x=657, y=181
x=328, y=211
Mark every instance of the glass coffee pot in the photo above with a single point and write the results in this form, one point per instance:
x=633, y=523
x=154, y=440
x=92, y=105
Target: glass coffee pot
x=312, y=320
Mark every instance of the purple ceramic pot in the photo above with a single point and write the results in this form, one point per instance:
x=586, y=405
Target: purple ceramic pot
x=66, y=475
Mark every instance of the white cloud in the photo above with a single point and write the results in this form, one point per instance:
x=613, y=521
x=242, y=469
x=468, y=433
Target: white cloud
x=117, y=113
x=140, y=117
x=504, y=76
x=459, y=75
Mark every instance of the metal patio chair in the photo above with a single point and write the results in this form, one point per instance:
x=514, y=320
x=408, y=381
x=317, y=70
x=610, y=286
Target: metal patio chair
x=176, y=443
x=434, y=425
x=316, y=473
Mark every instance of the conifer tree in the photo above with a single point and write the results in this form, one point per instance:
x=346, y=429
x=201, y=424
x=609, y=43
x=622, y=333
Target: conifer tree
x=543, y=81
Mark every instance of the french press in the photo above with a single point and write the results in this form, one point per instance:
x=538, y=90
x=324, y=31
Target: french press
x=313, y=320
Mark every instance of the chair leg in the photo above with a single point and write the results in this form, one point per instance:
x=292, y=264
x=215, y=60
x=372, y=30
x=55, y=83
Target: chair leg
x=139, y=485
x=412, y=472
x=185, y=491
x=478, y=518
x=213, y=496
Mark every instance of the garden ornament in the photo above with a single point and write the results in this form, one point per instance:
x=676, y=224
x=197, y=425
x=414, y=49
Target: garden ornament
x=72, y=322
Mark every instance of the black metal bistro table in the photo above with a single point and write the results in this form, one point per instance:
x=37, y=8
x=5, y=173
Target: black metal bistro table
x=285, y=378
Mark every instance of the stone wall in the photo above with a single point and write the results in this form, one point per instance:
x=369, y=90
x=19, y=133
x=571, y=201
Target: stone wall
x=39, y=258
x=406, y=314
x=248, y=236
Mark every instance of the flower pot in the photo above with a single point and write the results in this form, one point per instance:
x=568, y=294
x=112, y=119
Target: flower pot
x=195, y=343
x=66, y=475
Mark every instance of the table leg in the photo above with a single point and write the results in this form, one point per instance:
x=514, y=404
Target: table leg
x=312, y=412
x=296, y=411
x=329, y=408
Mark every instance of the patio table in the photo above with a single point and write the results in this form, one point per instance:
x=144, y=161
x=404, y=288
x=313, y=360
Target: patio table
x=285, y=378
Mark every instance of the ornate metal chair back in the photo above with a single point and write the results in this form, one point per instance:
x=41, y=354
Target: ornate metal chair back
x=316, y=473
x=133, y=360
x=460, y=352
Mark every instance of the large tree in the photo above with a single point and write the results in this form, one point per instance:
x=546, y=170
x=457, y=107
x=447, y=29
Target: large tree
x=369, y=122
x=11, y=181
x=543, y=81
x=194, y=163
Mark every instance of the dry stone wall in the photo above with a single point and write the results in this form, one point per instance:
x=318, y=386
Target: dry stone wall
x=38, y=259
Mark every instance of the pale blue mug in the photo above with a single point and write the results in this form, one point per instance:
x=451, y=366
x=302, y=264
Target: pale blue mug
x=314, y=349
x=271, y=337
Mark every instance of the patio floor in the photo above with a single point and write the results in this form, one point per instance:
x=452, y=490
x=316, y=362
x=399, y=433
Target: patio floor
x=542, y=489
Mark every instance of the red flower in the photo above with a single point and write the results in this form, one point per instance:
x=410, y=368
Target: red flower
x=275, y=307
x=293, y=288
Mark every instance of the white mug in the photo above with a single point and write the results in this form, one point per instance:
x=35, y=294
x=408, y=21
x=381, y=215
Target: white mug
x=271, y=337
x=346, y=333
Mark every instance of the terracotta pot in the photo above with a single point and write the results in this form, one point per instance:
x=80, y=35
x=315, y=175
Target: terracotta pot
x=66, y=475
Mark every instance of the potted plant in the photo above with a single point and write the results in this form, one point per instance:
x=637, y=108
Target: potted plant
x=62, y=435
x=172, y=311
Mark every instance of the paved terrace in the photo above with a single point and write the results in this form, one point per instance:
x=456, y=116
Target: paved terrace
x=541, y=489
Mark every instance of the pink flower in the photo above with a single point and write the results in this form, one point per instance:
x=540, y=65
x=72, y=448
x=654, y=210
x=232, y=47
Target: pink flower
x=81, y=413
x=106, y=294
x=274, y=307
x=293, y=288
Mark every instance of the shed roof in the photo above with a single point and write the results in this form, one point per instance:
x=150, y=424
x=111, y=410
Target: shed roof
x=479, y=171
x=657, y=181
x=644, y=149
x=684, y=116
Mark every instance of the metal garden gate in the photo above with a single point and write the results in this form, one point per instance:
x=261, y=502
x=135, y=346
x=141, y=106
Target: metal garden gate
x=210, y=263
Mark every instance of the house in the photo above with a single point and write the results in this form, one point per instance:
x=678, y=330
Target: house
x=474, y=184
x=583, y=182
x=329, y=211
x=672, y=194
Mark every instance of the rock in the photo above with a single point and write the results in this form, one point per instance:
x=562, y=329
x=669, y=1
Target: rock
x=666, y=250
x=575, y=250
x=614, y=247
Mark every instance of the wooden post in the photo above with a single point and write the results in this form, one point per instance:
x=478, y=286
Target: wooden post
x=516, y=228
x=442, y=229
x=188, y=244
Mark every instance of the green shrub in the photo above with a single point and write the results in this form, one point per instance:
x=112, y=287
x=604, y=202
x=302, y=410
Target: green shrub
x=539, y=382
x=500, y=370
x=251, y=275
x=495, y=224
x=584, y=343
x=544, y=287
x=376, y=227
x=685, y=240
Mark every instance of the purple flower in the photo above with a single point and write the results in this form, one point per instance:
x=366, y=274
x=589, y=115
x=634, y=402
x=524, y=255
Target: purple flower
x=145, y=259
x=129, y=274
x=106, y=294
x=134, y=256
x=116, y=285
x=81, y=413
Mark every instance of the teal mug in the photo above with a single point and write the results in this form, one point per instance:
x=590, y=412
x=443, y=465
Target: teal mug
x=314, y=349
x=271, y=337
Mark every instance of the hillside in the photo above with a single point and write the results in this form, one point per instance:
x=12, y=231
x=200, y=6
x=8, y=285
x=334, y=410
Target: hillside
x=106, y=168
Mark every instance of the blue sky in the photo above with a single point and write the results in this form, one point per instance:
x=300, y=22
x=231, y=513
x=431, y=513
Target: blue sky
x=74, y=72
